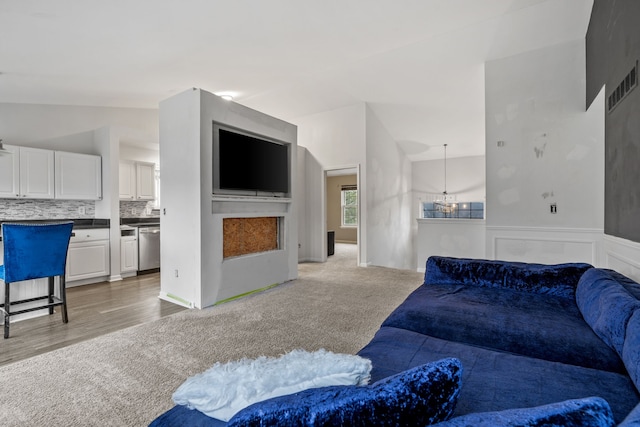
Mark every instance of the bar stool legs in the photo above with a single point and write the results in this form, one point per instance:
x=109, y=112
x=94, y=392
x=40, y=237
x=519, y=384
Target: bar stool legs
x=7, y=309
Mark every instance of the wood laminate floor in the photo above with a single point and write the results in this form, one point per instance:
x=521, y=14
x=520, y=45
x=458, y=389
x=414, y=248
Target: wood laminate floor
x=93, y=310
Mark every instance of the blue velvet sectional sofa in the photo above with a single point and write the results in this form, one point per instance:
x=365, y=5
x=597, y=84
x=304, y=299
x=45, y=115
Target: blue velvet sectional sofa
x=539, y=345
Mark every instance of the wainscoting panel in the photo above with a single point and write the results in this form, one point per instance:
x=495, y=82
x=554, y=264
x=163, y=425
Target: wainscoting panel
x=544, y=245
x=622, y=255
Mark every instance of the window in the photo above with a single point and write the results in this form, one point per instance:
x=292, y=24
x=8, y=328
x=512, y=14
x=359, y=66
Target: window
x=469, y=210
x=349, y=203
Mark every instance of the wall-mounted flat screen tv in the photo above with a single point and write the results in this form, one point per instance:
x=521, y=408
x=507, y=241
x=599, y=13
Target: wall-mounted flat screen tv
x=248, y=164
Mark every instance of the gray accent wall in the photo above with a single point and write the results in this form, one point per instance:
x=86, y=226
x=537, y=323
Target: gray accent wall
x=612, y=49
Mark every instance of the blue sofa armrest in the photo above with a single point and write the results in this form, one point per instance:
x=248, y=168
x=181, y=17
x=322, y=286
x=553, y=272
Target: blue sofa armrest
x=560, y=279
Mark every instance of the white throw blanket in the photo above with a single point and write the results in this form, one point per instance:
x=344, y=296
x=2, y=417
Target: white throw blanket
x=224, y=389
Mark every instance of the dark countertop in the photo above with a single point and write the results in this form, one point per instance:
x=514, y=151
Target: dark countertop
x=78, y=224
x=140, y=222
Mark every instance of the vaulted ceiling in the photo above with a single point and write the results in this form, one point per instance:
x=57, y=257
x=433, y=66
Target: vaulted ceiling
x=419, y=64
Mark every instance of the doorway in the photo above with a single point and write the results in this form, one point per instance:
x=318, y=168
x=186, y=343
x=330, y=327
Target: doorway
x=342, y=209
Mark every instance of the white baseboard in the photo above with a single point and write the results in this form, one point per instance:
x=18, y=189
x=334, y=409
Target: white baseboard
x=176, y=300
x=90, y=281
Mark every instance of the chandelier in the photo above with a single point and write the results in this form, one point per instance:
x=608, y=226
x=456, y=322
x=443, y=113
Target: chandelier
x=445, y=202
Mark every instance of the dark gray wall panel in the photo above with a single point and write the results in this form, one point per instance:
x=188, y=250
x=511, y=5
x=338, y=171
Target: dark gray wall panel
x=613, y=47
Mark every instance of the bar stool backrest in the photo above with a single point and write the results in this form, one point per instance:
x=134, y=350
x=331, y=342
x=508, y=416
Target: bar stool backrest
x=32, y=251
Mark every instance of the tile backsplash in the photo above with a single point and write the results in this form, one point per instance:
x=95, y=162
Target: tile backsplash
x=136, y=209
x=46, y=209
x=11, y=209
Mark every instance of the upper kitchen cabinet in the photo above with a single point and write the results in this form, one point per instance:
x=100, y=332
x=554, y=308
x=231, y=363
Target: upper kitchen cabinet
x=36, y=173
x=127, y=180
x=137, y=180
x=26, y=173
x=78, y=176
x=146, y=181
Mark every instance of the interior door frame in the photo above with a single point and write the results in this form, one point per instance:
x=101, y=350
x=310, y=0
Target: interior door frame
x=353, y=169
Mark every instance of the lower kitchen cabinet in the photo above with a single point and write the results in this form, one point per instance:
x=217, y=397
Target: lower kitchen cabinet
x=88, y=255
x=128, y=254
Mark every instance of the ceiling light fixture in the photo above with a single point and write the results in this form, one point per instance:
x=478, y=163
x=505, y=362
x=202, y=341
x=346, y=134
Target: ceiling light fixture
x=227, y=97
x=445, y=202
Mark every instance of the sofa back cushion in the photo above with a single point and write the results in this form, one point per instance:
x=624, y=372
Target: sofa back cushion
x=606, y=306
x=559, y=279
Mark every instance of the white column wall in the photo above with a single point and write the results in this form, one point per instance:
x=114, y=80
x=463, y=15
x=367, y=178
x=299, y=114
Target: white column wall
x=192, y=225
x=388, y=202
x=180, y=218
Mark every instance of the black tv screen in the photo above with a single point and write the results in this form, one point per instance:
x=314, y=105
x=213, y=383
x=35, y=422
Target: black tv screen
x=250, y=165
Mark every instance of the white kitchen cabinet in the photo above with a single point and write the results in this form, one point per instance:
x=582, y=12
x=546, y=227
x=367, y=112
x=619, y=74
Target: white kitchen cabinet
x=129, y=253
x=36, y=173
x=78, y=176
x=26, y=173
x=127, y=180
x=137, y=180
x=88, y=255
x=10, y=172
x=146, y=181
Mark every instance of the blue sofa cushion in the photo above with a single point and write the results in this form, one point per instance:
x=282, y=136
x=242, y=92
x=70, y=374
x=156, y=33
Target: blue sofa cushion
x=606, y=305
x=633, y=419
x=587, y=412
x=494, y=380
x=631, y=348
x=181, y=416
x=541, y=326
x=560, y=279
x=422, y=395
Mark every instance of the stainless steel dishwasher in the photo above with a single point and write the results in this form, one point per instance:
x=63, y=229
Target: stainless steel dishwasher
x=149, y=248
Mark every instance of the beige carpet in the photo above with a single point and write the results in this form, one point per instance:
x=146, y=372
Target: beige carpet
x=126, y=378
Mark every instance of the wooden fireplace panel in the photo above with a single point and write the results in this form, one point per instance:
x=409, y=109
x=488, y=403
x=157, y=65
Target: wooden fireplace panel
x=243, y=236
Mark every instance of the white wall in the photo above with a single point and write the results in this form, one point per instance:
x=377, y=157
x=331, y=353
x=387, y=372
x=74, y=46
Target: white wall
x=139, y=154
x=333, y=139
x=553, y=153
x=180, y=222
x=465, y=180
x=353, y=137
x=31, y=124
x=312, y=246
x=388, y=199
x=459, y=238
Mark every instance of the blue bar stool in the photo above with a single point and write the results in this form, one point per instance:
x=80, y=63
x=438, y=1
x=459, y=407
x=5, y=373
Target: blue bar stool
x=33, y=251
